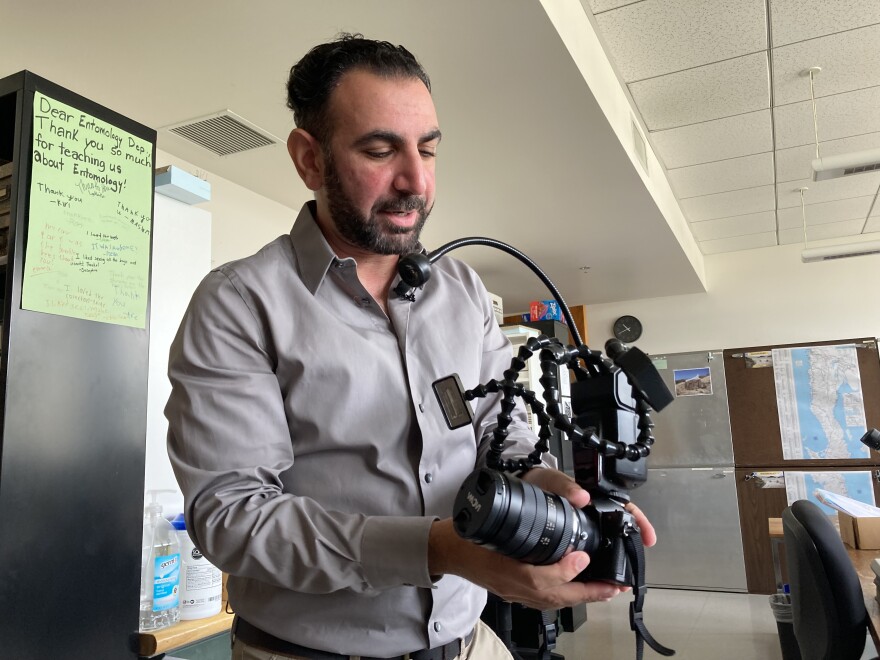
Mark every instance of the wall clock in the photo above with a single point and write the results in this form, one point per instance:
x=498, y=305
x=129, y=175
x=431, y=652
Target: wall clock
x=627, y=328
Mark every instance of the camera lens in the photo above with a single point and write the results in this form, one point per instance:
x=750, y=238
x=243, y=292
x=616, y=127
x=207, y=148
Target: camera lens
x=520, y=520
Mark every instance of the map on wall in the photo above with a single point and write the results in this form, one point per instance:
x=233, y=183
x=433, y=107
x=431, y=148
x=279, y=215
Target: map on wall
x=819, y=397
x=90, y=218
x=803, y=486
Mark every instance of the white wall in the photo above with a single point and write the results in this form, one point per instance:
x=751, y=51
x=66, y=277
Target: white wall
x=181, y=258
x=243, y=220
x=756, y=297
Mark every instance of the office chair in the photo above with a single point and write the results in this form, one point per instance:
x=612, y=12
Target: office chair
x=828, y=610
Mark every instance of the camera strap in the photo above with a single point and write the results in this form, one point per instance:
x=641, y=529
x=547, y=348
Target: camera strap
x=635, y=551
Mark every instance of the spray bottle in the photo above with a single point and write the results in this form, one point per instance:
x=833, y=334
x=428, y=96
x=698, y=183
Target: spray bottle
x=160, y=569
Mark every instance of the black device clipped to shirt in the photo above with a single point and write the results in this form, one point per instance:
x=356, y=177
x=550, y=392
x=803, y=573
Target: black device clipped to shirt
x=611, y=433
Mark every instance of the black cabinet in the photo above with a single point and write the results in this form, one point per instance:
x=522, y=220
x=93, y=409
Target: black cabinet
x=73, y=385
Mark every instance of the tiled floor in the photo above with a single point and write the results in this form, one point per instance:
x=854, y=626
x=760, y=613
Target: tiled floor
x=697, y=624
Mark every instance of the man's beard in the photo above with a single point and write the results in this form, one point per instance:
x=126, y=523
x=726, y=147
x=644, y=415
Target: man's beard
x=374, y=233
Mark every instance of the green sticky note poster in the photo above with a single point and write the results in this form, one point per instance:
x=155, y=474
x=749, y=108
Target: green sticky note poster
x=88, y=244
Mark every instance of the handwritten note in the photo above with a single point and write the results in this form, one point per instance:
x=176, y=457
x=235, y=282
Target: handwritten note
x=88, y=243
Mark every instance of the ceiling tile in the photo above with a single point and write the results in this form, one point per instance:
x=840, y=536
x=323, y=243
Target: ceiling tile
x=857, y=185
x=839, y=116
x=681, y=34
x=797, y=20
x=873, y=224
x=817, y=214
x=598, y=6
x=765, y=239
x=722, y=205
x=821, y=232
x=796, y=162
x=740, y=225
x=875, y=210
x=709, y=141
x=732, y=174
x=849, y=60
x=722, y=89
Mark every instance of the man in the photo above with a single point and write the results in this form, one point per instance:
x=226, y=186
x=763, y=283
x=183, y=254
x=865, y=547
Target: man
x=315, y=463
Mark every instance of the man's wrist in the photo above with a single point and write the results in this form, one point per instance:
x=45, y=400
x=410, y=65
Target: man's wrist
x=442, y=541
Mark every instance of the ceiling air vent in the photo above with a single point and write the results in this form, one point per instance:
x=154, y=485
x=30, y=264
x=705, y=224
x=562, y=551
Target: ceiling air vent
x=224, y=133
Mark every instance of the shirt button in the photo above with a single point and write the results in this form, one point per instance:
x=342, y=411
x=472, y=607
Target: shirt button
x=437, y=626
x=421, y=407
x=429, y=478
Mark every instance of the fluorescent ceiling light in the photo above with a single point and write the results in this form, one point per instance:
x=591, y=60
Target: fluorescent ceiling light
x=840, y=251
x=834, y=167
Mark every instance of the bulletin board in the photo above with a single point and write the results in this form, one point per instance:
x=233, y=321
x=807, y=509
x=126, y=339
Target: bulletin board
x=754, y=414
x=758, y=441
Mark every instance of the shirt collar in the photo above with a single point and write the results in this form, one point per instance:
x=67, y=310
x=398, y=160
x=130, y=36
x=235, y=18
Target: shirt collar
x=313, y=253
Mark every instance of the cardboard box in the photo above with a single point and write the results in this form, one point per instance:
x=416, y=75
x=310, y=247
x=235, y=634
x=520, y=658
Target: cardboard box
x=875, y=568
x=545, y=310
x=862, y=533
x=497, y=307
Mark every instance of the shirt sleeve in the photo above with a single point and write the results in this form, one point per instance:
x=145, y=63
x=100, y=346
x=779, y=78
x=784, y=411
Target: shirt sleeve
x=229, y=443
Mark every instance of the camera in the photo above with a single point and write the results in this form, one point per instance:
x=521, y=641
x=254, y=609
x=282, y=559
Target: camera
x=513, y=517
x=611, y=433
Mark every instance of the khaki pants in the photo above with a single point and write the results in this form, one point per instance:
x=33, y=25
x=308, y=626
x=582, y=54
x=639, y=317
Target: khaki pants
x=484, y=646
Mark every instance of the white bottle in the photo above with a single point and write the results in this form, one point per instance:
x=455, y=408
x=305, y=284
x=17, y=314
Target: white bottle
x=160, y=570
x=201, y=583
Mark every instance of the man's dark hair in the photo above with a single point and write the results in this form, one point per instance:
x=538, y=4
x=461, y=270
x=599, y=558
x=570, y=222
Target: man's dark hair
x=317, y=74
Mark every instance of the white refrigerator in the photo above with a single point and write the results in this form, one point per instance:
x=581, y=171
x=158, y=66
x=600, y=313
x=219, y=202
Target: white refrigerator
x=690, y=495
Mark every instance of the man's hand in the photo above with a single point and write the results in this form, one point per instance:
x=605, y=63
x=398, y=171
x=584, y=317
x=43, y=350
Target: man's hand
x=540, y=587
x=554, y=481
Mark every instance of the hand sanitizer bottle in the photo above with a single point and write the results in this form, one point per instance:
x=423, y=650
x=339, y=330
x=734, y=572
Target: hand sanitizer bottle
x=160, y=570
x=201, y=583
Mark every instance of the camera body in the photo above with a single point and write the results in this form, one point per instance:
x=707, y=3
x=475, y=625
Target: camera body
x=608, y=562
x=515, y=518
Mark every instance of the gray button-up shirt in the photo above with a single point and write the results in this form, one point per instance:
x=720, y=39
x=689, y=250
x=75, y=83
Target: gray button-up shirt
x=311, y=450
